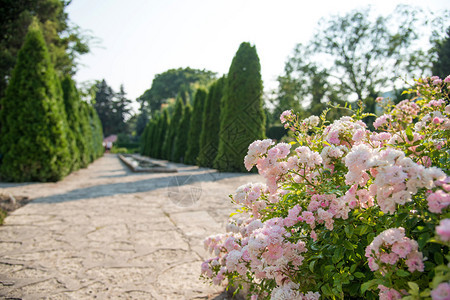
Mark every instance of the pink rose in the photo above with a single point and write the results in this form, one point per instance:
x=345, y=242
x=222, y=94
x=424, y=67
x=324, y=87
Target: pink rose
x=443, y=230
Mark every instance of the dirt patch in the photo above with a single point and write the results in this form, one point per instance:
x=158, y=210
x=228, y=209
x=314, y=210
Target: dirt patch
x=9, y=203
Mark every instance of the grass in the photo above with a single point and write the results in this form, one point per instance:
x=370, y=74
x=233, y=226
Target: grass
x=2, y=215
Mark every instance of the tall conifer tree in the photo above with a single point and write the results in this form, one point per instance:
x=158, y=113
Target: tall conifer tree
x=181, y=139
x=193, y=146
x=162, y=131
x=242, y=118
x=172, y=130
x=80, y=154
x=33, y=134
x=209, y=137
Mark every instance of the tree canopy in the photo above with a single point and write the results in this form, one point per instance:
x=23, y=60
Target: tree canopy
x=172, y=82
x=65, y=42
x=112, y=108
x=356, y=56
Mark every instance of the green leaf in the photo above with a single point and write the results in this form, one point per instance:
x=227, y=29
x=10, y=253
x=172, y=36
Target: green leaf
x=409, y=134
x=326, y=290
x=441, y=268
x=359, y=275
x=368, y=285
x=328, y=269
x=402, y=273
x=438, y=258
x=335, y=258
x=311, y=265
x=348, y=231
x=414, y=287
x=423, y=239
x=348, y=245
x=353, y=268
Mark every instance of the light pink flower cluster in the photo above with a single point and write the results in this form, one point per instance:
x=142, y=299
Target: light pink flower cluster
x=435, y=80
x=249, y=195
x=331, y=154
x=441, y=292
x=286, y=116
x=358, y=160
x=310, y=122
x=396, y=177
x=321, y=209
x=290, y=291
x=388, y=294
x=255, y=151
x=213, y=243
x=380, y=139
x=389, y=247
x=438, y=200
x=434, y=120
x=262, y=248
x=381, y=120
x=443, y=230
x=344, y=130
x=406, y=110
x=271, y=163
x=307, y=157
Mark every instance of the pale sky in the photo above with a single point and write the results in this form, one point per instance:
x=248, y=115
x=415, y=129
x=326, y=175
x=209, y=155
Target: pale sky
x=142, y=38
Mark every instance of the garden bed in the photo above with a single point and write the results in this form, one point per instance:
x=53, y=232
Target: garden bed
x=138, y=163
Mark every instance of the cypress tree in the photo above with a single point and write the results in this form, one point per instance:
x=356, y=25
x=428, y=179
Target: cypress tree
x=209, y=137
x=148, y=139
x=242, y=117
x=80, y=155
x=162, y=131
x=193, y=146
x=171, y=134
x=33, y=135
x=152, y=140
x=97, y=132
x=86, y=129
x=181, y=139
x=143, y=140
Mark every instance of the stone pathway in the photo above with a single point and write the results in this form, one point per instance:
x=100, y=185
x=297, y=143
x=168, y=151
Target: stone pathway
x=106, y=233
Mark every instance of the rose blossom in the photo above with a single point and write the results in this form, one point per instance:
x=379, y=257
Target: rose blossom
x=441, y=292
x=443, y=230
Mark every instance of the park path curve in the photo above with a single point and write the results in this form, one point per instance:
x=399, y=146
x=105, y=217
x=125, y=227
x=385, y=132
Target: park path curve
x=107, y=233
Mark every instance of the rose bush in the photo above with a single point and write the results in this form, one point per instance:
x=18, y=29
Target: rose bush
x=346, y=212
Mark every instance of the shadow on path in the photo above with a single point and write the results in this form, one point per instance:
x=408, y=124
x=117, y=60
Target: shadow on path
x=139, y=186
